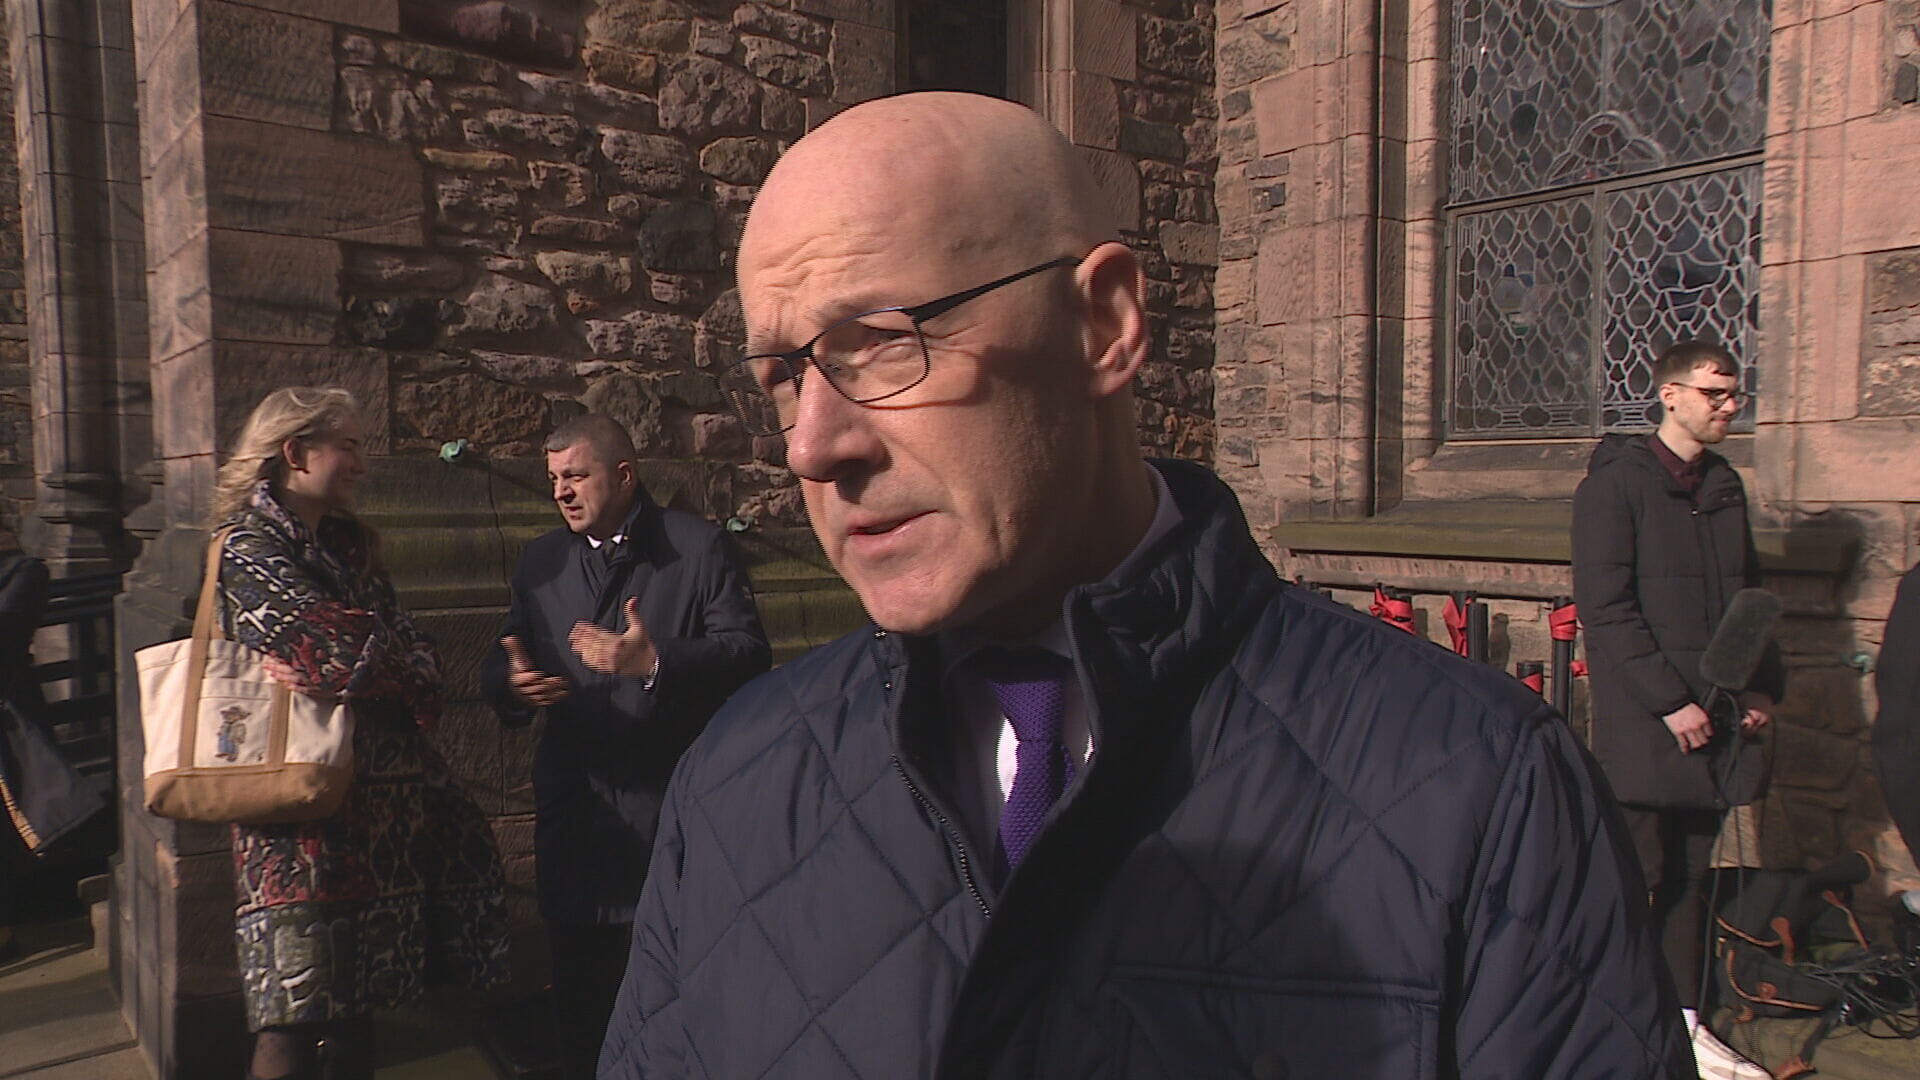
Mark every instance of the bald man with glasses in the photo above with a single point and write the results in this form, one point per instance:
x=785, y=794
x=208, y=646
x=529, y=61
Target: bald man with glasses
x=1094, y=794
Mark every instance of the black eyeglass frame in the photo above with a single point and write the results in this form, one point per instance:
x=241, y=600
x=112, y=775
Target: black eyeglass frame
x=797, y=360
x=1717, y=399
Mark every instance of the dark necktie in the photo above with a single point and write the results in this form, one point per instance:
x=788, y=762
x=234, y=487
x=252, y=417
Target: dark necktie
x=1030, y=686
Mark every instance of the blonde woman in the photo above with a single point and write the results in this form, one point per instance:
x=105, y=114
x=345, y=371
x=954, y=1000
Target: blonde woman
x=402, y=886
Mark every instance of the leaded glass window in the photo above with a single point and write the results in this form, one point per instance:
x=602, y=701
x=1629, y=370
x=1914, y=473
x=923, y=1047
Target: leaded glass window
x=1606, y=193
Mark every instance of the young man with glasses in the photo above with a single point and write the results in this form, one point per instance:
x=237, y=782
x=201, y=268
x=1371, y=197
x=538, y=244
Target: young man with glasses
x=1096, y=794
x=1661, y=543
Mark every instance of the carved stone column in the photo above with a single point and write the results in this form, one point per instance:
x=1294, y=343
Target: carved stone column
x=86, y=305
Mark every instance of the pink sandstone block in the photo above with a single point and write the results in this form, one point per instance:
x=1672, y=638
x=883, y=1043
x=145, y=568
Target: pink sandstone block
x=1427, y=30
x=1353, y=293
x=1787, y=77
x=183, y=403
x=1860, y=460
x=1105, y=40
x=1283, y=111
x=1095, y=116
x=1827, y=188
x=1882, y=157
x=1426, y=100
x=1322, y=31
x=1827, y=75
x=1119, y=181
x=370, y=14
x=1283, y=275
x=1866, y=76
x=1358, y=110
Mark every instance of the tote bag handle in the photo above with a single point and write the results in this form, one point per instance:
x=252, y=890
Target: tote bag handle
x=205, y=630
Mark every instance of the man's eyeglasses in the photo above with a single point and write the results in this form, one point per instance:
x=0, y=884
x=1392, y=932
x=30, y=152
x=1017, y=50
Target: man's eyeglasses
x=866, y=358
x=1719, y=399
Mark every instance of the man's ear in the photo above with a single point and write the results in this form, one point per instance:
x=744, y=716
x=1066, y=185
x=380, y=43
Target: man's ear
x=1114, y=334
x=629, y=479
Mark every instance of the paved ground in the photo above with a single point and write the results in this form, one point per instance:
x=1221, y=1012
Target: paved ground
x=58, y=1021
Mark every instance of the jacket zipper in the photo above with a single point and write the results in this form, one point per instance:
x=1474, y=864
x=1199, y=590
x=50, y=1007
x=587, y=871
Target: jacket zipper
x=959, y=844
x=1703, y=535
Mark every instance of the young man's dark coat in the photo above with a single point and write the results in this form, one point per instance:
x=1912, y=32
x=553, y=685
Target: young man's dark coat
x=1653, y=571
x=1306, y=845
x=1896, y=731
x=607, y=750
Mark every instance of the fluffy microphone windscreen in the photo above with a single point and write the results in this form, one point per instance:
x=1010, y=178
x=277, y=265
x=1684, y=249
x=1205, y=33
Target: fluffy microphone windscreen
x=1741, y=639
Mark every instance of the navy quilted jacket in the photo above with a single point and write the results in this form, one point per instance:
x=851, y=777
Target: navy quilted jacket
x=1309, y=845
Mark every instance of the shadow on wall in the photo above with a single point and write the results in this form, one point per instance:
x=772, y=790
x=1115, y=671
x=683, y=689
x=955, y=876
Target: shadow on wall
x=1826, y=796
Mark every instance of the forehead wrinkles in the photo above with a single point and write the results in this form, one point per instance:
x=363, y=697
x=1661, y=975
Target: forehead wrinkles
x=807, y=282
x=813, y=269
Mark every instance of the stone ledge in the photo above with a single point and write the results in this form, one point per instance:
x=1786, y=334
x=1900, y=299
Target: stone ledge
x=1559, y=455
x=1532, y=532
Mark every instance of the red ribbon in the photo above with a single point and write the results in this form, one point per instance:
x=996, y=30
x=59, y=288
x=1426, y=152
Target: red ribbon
x=1455, y=617
x=1564, y=622
x=1393, y=612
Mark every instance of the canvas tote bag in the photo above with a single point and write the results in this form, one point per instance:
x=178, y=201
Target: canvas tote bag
x=225, y=742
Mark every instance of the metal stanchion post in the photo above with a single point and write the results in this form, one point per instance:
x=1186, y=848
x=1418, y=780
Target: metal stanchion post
x=1562, y=664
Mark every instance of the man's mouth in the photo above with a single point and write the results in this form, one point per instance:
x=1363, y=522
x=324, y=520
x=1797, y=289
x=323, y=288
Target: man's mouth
x=883, y=527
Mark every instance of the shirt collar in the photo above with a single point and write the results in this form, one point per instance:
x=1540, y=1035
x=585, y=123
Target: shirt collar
x=1685, y=473
x=626, y=527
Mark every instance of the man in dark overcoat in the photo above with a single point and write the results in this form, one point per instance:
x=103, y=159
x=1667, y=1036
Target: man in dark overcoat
x=1661, y=542
x=629, y=625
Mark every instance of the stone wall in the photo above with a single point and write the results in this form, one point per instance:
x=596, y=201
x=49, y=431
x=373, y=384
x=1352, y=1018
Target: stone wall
x=586, y=180
x=582, y=218
x=1838, y=443
x=16, y=410
x=1903, y=51
x=1295, y=299
x=1165, y=121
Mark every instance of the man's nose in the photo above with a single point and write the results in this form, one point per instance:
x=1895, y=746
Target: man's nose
x=830, y=434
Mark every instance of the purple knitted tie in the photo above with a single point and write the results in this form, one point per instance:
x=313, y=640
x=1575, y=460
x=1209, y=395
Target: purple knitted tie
x=1030, y=685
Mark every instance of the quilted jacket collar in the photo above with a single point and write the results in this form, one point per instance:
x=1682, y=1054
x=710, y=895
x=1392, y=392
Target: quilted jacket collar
x=1178, y=610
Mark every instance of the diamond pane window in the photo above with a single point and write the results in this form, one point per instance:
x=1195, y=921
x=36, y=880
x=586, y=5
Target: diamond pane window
x=1683, y=261
x=1548, y=93
x=1606, y=193
x=1522, y=327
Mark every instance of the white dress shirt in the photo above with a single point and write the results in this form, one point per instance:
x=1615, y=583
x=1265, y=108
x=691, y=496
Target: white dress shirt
x=984, y=746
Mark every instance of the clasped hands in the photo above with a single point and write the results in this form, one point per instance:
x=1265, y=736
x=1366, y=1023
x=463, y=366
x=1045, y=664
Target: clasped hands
x=630, y=653
x=1692, y=727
